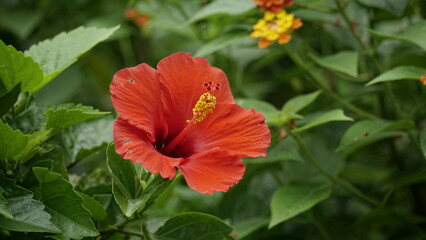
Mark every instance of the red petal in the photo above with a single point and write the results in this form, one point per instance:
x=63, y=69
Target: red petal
x=184, y=78
x=240, y=131
x=136, y=97
x=212, y=171
x=132, y=143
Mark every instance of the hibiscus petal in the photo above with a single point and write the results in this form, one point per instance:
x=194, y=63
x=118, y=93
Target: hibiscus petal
x=240, y=131
x=213, y=171
x=132, y=143
x=185, y=79
x=136, y=97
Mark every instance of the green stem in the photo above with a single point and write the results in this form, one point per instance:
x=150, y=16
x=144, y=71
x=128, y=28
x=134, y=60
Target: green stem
x=298, y=61
x=332, y=178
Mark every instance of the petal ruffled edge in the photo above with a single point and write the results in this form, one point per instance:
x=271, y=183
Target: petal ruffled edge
x=213, y=171
x=133, y=144
x=136, y=97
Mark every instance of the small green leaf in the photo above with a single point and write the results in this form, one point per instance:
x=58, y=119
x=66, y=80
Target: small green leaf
x=12, y=142
x=87, y=138
x=368, y=131
x=399, y=73
x=55, y=55
x=415, y=33
x=193, y=226
x=219, y=43
x=296, y=104
x=330, y=116
x=18, y=68
x=344, y=61
x=64, y=204
x=4, y=210
x=268, y=110
x=223, y=7
x=63, y=116
x=28, y=214
x=95, y=208
x=286, y=150
x=396, y=7
x=9, y=99
x=423, y=141
x=291, y=200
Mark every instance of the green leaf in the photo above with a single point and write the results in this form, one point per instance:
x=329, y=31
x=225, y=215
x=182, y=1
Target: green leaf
x=344, y=62
x=16, y=68
x=64, y=116
x=315, y=16
x=12, y=142
x=291, y=200
x=415, y=33
x=4, y=210
x=9, y=99
x=20, y=22
x=223, y=7
x=396, y=7
x=320, y=5
x=399, y=73
x=87, y=138
x=193, y=226
x=28, y=214
x=330, y=116
x=423, y=141
x=219, y=43
x=247, y=227
x=368, y=131
x=64, y=204
x=286, y=150
x=55, y=55
x=96, y=210
x=34, y=140
x=296, y=104
x=268, y=110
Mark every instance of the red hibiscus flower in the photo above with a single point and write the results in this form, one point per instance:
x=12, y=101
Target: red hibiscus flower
x=183, y=116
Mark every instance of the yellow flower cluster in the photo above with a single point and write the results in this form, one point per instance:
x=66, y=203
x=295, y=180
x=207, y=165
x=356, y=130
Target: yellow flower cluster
x=275, y=27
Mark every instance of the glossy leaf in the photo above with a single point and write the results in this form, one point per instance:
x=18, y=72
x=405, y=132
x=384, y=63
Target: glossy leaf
x=56, y=54
x=18, y=68
x=344, y=62
x=368, y=131
x=63, y=116
x=4, y=210
x=193, y=226
x=415, y=33
x=29, y=215
x=291, y=200
x=218, y=44
x=330, y=116
x=87, y=138
x=223, y=7
x=12, y=142
x=399, y=73
x=64, y=204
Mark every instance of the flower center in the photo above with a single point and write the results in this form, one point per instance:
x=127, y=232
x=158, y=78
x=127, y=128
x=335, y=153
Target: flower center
x=204, y=106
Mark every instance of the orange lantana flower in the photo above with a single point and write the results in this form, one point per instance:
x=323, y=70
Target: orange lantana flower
x=183, y=116
x=273, y=5
x=423, y=79
x=138, y=18
x=275, y=27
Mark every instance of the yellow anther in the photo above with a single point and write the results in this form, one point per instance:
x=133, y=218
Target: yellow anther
x=204, y=106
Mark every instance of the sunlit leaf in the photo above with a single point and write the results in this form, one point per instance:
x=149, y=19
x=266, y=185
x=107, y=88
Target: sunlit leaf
x=291, y=200
x=415, y=33
x=56, y=54
x=28, y=214
x=223, y=7
x=330, y=116
x=193, y=226
x=399, y=73
x=64, y=204
x=16, y=68
x=344, y=61
x=63, y=116
x=219, y=43
x=368, y=131
x=12, y=142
